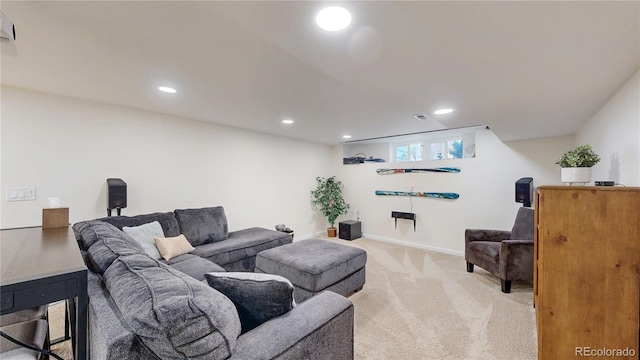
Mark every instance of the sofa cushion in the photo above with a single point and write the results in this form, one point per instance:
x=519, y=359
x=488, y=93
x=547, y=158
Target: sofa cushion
x=173, y=246
x=167, y=221
x=241, y=245
x=193, y=265
x=89, y=232
x=145, y=235
x=174, y=315
x=257, y=297
x=109, y=246
x=205, y=225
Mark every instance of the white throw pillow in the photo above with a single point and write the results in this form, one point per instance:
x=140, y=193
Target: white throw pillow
x=145, y=235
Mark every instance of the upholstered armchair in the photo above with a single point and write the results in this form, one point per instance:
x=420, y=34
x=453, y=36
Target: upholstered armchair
x=505, y=254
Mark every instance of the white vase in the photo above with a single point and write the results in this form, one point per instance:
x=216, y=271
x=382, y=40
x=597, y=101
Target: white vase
x=579, y=175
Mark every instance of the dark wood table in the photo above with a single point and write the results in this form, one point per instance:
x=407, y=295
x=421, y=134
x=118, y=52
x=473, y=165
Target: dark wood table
x=41, y=266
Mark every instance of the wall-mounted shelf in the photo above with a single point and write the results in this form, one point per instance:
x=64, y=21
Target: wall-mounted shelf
x=404, y=215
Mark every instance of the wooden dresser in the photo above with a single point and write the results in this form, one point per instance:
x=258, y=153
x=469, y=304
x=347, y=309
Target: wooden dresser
x=587, y=272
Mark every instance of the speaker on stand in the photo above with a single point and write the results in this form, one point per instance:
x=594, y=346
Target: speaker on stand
x=116, y=195
x=524, y=191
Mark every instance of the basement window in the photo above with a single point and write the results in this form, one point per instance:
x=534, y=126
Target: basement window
x=408, y=152
x=447, y=149
x=450, y=144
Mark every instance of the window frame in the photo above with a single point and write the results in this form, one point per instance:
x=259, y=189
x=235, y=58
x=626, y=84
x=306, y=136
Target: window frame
x=408, y=144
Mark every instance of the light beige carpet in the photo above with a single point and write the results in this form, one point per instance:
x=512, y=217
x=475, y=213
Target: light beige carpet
x=418, y=304
x=56, y=331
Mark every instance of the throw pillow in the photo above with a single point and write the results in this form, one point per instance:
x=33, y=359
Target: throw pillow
x=205, y=225
x=258, y=297
x=173, y=246
x=145, y=235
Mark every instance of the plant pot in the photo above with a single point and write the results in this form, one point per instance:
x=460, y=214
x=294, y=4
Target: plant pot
x=332, y=232
x=579, y=175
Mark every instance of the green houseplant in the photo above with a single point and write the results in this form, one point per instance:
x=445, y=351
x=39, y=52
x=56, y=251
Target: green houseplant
x=328, y=198
x=576, y=164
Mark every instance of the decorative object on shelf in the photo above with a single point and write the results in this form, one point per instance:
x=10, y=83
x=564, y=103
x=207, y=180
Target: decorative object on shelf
x=576, y=165
x=283, y=228
x=328, y=198
x=470, y=151
x=356, y=159
x=437, y=195
x=421, y=170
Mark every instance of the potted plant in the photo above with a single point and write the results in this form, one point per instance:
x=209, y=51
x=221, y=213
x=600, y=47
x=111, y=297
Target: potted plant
x=576, y=164
x=328, y=197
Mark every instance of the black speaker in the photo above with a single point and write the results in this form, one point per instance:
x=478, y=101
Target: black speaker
x=524, y=191
x=116, y=195
x=349, y=230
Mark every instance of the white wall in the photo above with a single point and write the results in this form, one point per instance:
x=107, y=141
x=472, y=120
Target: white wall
x=614, y=133
x=67, y=148
x=486, y=185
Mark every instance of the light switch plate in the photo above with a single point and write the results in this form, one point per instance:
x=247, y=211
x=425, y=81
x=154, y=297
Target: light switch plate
x=24, y=193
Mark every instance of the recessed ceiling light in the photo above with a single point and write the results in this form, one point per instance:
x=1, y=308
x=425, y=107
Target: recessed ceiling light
x=333, y=18
x=443, y=111
x=287, y=121
x=346, y=136
x=167, y=89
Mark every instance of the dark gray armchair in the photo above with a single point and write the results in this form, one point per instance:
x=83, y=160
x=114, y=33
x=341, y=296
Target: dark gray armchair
x=506, y=254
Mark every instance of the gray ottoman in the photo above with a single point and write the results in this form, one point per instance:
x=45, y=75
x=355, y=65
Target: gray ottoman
x=315, y=265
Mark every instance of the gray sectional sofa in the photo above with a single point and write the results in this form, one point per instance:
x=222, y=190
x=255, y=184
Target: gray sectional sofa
x=141, y=307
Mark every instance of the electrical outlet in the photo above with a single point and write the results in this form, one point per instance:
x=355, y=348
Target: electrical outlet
x=24, y=193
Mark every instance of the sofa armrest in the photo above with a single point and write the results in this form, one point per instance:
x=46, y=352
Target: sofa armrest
x=303, y=332
x=485, y=235
x=110, y=338
x=516, y=260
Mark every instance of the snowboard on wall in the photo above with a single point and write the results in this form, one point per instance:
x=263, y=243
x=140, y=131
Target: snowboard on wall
x=436, y=195
x=421, y=170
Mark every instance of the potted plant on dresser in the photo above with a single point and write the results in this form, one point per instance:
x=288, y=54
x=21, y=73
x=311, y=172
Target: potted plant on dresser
x=328, y=198
x=576, y=165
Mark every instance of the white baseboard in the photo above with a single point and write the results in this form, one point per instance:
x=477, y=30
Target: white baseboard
x=390, y=240
x=308, y=236
x=419, y=246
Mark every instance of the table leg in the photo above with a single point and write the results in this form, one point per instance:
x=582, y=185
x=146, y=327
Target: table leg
x=82, y=318
x=71, y=314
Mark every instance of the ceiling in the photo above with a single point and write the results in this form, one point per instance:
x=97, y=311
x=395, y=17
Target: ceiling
x=526, y=69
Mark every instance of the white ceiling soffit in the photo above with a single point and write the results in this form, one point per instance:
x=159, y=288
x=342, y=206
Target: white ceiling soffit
x=526, y=69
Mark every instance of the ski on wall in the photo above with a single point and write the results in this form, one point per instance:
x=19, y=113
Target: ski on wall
x=422, y=170
x=436, y=195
